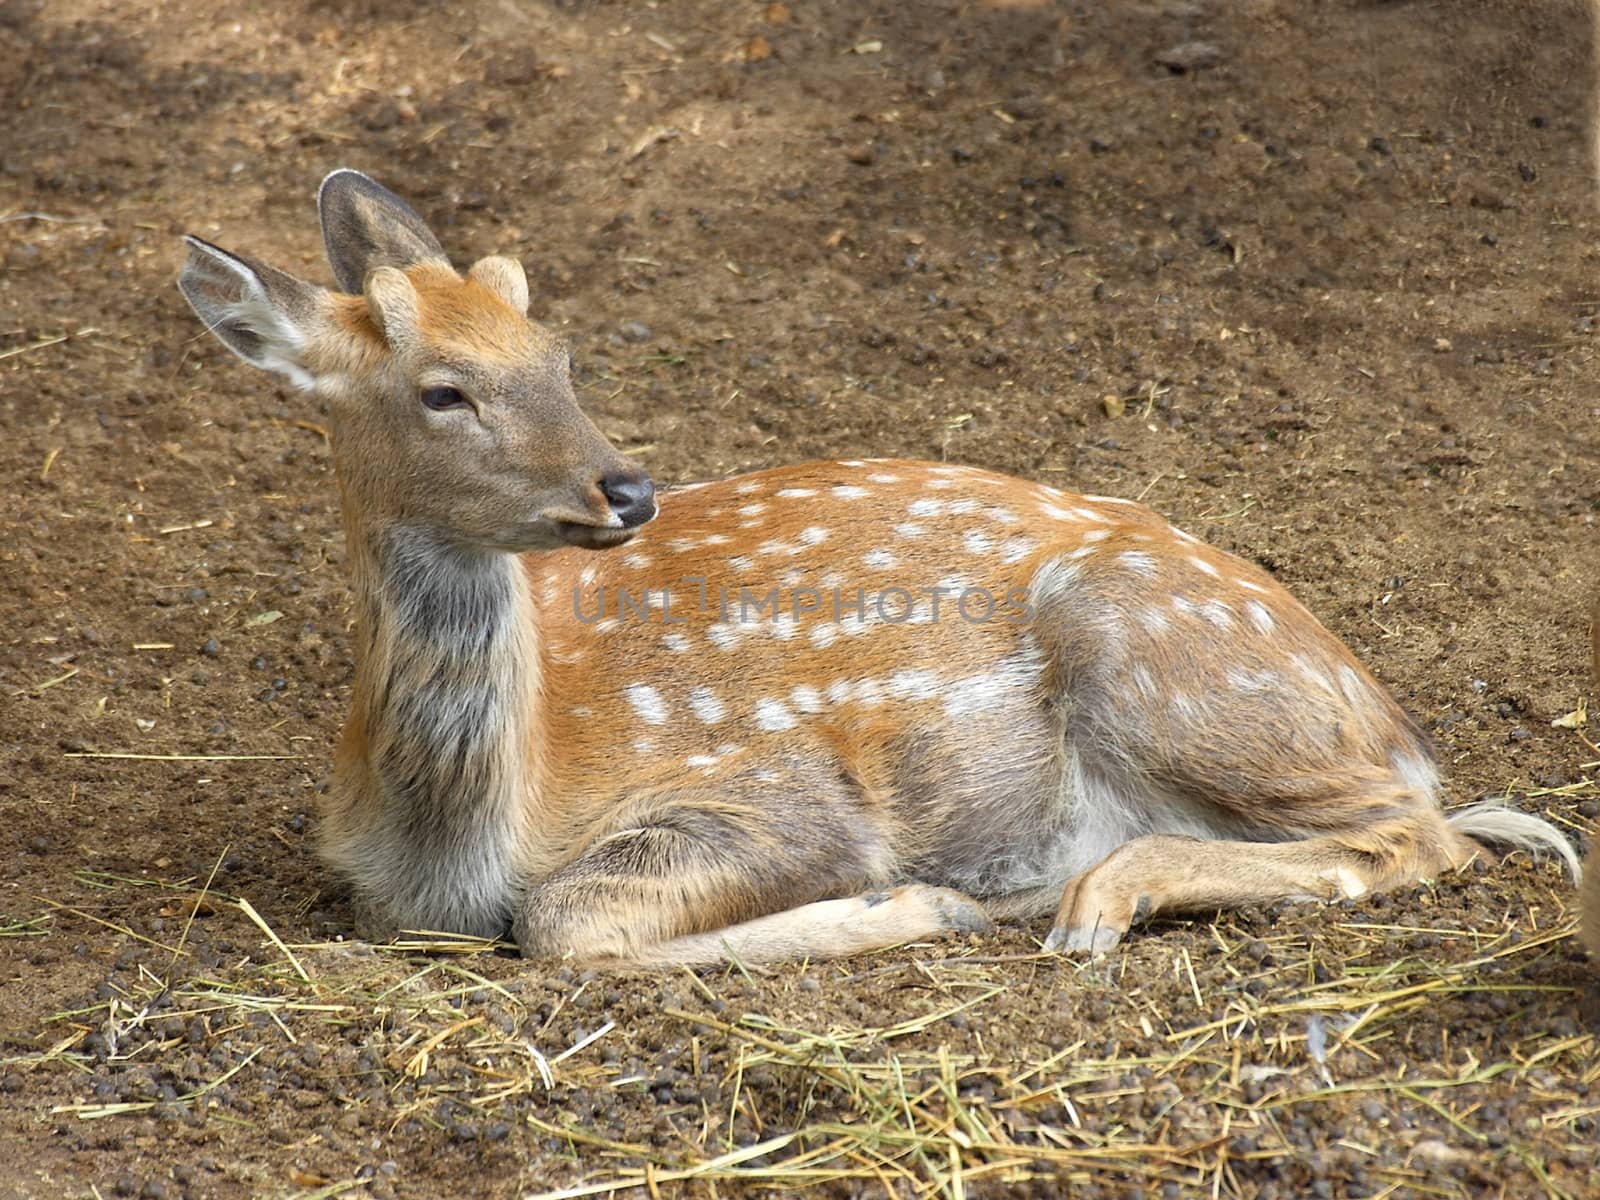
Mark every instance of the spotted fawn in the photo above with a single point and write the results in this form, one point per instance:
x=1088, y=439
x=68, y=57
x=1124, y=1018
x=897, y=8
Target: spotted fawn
x=808, y=711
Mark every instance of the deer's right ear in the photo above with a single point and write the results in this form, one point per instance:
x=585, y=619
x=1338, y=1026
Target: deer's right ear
x=366, y=226
x=261, y=314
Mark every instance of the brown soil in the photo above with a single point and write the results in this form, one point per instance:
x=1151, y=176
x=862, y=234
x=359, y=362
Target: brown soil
x=1335, y=263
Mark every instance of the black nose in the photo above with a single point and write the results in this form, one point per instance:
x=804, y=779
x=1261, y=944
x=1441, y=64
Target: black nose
x=631, y=495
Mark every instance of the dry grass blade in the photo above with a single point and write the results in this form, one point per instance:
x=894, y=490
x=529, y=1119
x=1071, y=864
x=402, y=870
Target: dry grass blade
x=720, y=1168
x=249, y=910
x=94, y=1112
x=181, y=757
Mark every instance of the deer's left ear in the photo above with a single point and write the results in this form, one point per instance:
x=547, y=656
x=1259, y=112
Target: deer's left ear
x=261, y=314
x=366, y=226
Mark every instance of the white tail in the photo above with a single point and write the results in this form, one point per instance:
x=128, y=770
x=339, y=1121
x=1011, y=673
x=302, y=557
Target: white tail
x=807, y=711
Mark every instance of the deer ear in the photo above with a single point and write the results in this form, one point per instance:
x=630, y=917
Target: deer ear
x=392, y=303
x=261, y=314
x=366, y=226
x=505, y=278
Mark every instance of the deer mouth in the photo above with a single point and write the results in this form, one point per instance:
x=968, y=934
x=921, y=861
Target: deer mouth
x=592, y=537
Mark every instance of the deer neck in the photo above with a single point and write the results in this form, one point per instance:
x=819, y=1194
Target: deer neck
x=435, y=763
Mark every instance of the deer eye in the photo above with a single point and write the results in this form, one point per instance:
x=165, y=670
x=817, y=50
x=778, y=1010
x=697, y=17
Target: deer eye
x=441, y=398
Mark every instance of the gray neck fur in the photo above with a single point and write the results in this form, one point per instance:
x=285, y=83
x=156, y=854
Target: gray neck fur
x=445, y=734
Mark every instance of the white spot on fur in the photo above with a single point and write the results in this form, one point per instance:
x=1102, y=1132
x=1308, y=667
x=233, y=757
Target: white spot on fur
x=1004, y=685
x=823, y=634
x=940, y=484
x=717, y=539
x=1004, y=515
x=1137, y=561
x=961, y=508
x=882, y=478
x=1259, y=616
x=700, y=760
x=773, y=715
x=748, y=486
x=813, y=535
x=839, y=691
x=1185, y=709
x=925, y=507
x=1351, y=684
x=848, y=491
x=806, y=698
x=977, y=542
x=879, y=559
x=1242, y=679
x=643, y=746
x=1143, y=680
x=1218, y=613
x=740, y=563
x=706, y=705
x=909, y=529
x=868, y=693
x=851, y=462
x=914, y=684
x=722, y=635
x=675, y=642
x=647, y=703
x=794, y=493
x=1251, y=585
x=588, y=575
x=1152, y=619
x=1312, y=673
x=752, y=510
x=582, y=711
x=636, y=560
x=1201, y=564
x=681, y=545
x=1092, y=536
x=1016, y=549
x=783, y=627
x=1088, y=514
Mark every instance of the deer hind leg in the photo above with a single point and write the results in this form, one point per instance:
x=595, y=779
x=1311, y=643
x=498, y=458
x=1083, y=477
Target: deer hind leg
x=701, y=883
x=1165, y=873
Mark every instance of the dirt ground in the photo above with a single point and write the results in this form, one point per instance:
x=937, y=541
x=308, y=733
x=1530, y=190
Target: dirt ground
x=1318, y=281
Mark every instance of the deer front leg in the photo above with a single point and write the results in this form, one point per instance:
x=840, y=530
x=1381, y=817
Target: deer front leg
x=1165, y=873
x=699, y=886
